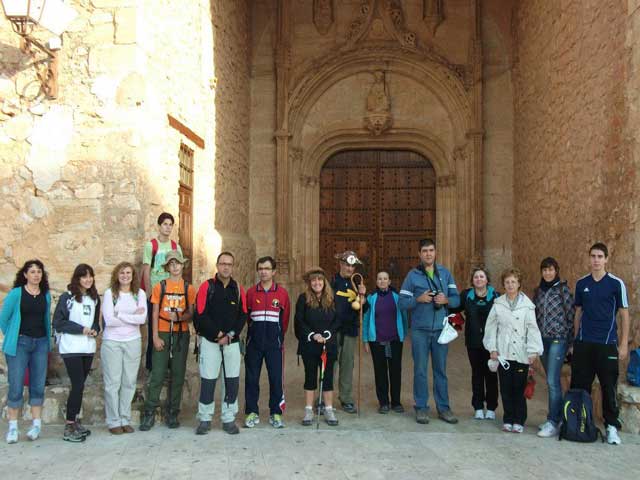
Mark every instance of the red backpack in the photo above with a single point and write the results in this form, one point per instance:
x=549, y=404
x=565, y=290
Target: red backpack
x=154, y=250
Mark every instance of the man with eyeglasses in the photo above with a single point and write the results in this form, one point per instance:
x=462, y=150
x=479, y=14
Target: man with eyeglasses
x=268, y=308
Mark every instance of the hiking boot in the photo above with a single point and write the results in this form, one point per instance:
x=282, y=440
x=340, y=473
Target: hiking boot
x=479, y=415
x=71, y=434
x=349, y=407
x=398, y=408
x=517, y=428
x=148, y=420
x=276, y=421
x=127, y=429
x=612, y=436
x=203, y=428
x=490, y=415
x=172, y=420
x=330, y=416
x=33, y=433
x=308, y=416
x=251, y=420
x=548, y=430
x=82, y=429
x=12, y=435
x=383, y=409
x=447, y=416
x=116, y=431
x=422, y=416
x=231, y=428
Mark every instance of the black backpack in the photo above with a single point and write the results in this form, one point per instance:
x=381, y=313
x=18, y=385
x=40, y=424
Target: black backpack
x=577, y=418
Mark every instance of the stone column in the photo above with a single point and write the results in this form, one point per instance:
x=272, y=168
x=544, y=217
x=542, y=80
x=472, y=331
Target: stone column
x=446, y=212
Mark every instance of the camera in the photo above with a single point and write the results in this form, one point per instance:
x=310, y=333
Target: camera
x=432, y=294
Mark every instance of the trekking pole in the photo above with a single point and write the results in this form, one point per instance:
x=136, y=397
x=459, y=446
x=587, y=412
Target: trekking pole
x=170, y=388
x=361, y=298
x=224, y=376
x=323, y=365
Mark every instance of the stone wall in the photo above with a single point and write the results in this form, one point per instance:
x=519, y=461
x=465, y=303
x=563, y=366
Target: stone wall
x=574, y=177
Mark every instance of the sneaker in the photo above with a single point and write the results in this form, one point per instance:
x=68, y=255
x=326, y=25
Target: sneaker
x=251, y=420
x=422, y=416
x=384, y=409
x=330, y=416
x=82, y=429
x=507, y=427
x=349, y=407
x=33, y=433
x=148, y=420
x=612, y=436
x=127, y=429
x=203, y=428
x=548, y=430
x=398, y=408
x=308, y=416
x=490, y=415
x=12, y=435
x=231, y=428
x=447, y=416
x=479, y=415
x=275, y=421
x=517, y=428
x=71, y=434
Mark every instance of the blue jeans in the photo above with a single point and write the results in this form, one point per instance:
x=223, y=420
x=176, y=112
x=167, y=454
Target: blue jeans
x=552, y=360
x=423, y=343
x=31, y=352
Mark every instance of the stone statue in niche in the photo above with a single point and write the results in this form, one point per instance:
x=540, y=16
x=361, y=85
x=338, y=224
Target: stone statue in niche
x=433, y=14
x=323, y=15
x=378, y=118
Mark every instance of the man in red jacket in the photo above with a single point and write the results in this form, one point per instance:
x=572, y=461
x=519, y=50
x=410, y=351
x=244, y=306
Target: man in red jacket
x=269, y=307
x=221, y=312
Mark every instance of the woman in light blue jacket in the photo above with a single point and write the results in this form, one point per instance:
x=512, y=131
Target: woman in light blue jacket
x=25, y=323
x=383, y=331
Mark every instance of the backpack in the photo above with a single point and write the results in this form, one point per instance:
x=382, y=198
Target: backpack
x=633, y=370
x=163, y=288
x=154, y=250
x=577, y=418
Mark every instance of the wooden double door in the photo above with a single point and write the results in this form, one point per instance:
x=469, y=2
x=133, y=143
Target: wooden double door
x=378, y=203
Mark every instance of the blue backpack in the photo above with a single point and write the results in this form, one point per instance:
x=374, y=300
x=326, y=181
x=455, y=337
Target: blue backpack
x=577, y=418
x=633, y=370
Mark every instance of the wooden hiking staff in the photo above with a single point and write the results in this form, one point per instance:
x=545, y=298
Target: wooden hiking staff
x=359, y=308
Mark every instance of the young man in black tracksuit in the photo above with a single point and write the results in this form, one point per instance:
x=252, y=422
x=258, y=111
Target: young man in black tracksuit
x=220, y=317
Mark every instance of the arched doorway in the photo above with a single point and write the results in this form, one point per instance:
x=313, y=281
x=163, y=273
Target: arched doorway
x=378, y=203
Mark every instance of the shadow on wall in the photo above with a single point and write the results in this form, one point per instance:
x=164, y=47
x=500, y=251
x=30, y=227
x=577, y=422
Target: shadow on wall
x=13, y=60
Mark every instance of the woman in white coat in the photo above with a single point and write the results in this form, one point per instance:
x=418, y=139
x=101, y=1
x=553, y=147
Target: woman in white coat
x=514, y=341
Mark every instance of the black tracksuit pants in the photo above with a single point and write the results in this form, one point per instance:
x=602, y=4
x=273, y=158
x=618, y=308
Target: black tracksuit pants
x=78, y=368
x=484, y=382
x=512, y=384
x=591, y=359
x=273, y=356
x=387, y=371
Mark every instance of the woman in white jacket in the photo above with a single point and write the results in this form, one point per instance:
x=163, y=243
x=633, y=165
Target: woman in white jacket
x=124, y=309
x=76, y=323
x=512, y=337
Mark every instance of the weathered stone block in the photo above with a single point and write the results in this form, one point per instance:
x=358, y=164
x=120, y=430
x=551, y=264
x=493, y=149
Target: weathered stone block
x=111, y=59
x=125, y=21
x=93, y=190
x=112, y=3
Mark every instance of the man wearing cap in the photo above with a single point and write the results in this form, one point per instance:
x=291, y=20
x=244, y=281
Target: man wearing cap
x=349, y=321
x=427, y=292
x=173, y=301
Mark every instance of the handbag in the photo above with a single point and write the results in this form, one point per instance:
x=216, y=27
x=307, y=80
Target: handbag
x=448, y=333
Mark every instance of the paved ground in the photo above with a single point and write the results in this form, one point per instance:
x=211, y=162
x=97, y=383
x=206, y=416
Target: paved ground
x=370, y=447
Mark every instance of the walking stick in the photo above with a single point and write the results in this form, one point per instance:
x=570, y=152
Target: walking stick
x=323, y=365
x=170, y=389
x=224, y=376
x=361, y=303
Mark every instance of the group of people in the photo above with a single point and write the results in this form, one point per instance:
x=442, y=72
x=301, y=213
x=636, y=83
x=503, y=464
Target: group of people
x=504, y=335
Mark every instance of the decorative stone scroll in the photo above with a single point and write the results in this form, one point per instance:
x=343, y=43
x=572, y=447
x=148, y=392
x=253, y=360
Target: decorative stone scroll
x=378, y=118
x=433, y=14
x=323, y=15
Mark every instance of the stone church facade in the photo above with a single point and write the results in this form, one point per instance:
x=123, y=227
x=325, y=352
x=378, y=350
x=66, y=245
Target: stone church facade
x=229, y=114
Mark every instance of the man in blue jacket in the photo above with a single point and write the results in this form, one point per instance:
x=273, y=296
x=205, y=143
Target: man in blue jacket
x=427, y=292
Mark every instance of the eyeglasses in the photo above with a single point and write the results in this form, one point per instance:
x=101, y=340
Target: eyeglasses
x=225, y=264
x=265, y=269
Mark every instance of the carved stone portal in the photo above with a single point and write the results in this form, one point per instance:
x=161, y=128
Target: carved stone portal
x=378, y=118
x=433, y=14
x=323, y=15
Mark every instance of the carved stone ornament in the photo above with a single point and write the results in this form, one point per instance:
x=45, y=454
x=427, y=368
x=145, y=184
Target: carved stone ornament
x=433, y=14
x=323, y=15
x=380, y=19
x=378, y=118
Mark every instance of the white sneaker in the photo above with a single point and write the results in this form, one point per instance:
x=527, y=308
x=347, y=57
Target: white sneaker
x=507, y=427
x=612, y=436
x=251, y=420
x=479, y=415
x=517, y=428
x=490, y=415
x=548, y=430
x=12, y=435
x=33, y=433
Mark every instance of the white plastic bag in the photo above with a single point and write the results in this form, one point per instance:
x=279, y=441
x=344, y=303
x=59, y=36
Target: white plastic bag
x=448, y=333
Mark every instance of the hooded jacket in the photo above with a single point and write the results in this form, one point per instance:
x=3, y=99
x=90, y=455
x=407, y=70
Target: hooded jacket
x=513, y=333
x=69, y=320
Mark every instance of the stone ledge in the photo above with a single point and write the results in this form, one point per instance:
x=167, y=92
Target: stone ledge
x=629, y=397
